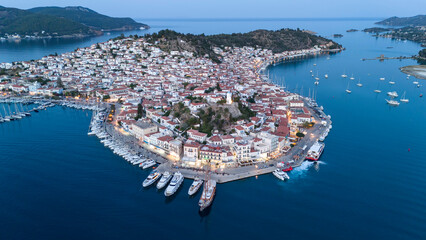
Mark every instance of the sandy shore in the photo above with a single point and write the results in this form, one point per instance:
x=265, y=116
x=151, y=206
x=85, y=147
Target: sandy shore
x=418, y=71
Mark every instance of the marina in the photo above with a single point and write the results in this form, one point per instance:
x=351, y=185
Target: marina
x=84, y=160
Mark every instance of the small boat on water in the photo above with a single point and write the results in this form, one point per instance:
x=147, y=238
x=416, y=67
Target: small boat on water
x=403, y=99
x=280, y=174
x=326, y=75
x=391, y=82
x=393, y=94
x=164, y=180
x=392, y=102
x=377, y=91
x=195, y=186
x=344, y=76
x=352, y=77
x=359, y=84
x=174, y=184
x=415, y=82
x=347, y=89
x=152, y=177
x=208, y=194
x=382, y=79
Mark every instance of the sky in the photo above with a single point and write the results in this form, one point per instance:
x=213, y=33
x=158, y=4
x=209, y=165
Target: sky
x=148, y=9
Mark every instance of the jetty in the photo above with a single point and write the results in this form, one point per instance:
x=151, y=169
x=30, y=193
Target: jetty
x=383, y=57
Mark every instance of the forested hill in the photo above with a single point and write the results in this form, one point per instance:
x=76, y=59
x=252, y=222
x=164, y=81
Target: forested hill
x=17, y=21
x=277, y=41
x=90, y=18
x=419, y=20
x=60, y=22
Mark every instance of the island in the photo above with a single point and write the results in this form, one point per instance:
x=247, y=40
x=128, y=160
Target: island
x=67, y=22
x=412, y=29
x=199, y=106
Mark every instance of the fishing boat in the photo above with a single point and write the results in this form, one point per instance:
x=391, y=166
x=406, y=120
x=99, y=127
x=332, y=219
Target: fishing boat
x=393, y=94
x=392, y=102
x=315, y=151
x=174, y=184
x=280, y=174
x=164, y=180
x=195, y=186
x=403, y=99
x=152, y=177
x=209, y=191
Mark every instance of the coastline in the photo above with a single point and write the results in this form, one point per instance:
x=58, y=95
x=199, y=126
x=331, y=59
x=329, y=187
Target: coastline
x=418, y=71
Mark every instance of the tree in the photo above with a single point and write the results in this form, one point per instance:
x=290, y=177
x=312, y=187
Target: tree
x=300, y=135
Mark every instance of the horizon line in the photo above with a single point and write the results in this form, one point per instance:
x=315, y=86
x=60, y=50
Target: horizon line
x=261, y=18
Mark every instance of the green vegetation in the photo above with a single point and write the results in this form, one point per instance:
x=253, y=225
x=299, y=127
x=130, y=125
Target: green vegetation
x=300, y=135
x=90, y=18
x=419, y=20
x=201, y=45
x=57, y=22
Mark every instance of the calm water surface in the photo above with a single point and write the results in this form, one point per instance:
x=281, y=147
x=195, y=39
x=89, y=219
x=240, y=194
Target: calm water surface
x=58, y=183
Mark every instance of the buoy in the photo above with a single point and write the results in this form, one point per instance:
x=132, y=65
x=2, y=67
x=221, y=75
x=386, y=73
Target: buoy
x=408, y=149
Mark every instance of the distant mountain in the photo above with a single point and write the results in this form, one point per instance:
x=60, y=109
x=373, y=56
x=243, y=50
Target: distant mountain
x=60, y=22
x=419, y=20
x=90, y=18
x=17, y=21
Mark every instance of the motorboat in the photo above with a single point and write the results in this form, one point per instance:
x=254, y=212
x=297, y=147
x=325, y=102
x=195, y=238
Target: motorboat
x=174, y=184
x=152, y=177
x=164, y=180
x=195, y=186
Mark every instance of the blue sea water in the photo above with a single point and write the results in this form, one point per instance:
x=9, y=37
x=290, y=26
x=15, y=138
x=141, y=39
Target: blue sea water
x=58, y=183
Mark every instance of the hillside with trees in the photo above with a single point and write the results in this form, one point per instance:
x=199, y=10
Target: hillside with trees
x=419, y=20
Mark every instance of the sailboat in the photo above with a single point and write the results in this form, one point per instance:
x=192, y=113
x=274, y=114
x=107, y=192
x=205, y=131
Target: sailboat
x=378, y=90
x=359, y=84
x=344, y=75
x=347, y=89
x=326, y=75
x=403, y=99
x=392, y=102
x=391, y=82
x=352, y=77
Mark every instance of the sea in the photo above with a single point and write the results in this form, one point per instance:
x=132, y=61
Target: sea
x=56, y=182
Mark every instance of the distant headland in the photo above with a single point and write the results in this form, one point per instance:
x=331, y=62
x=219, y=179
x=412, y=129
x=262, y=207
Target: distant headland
x=60, y=22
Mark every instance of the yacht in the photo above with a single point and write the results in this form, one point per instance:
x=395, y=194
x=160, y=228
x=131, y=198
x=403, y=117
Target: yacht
x=174, y=184
x=393, y=94
x=377, y=91
x=391, y=82
x=415, y=82
x=208, y=194
x=148, y=164
x=195, y=186
x=152, y=177
x=392, y=102
x=280, y=174
x=164, y=180
x=382, y=79
x=315, y=151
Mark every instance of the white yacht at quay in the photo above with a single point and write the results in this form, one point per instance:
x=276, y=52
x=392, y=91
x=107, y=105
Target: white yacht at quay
x=195, y=186
x=148, y=164
x=174, y=184
x=164, y=180
x=152, y=177
x=281, y=175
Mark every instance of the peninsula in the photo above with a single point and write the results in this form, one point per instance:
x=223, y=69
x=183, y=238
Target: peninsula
x=46, y=22
x=198, y=105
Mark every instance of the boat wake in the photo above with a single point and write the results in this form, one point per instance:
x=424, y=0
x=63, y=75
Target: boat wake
x=302, y=169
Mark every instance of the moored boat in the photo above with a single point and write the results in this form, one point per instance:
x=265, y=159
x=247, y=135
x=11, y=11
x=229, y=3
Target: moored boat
x=195, y=186
x=209, y=191
x=148, y=164
x=280, y=174
x=174, y=184
x=164, y=180
x=152, y=177
x=315, y=151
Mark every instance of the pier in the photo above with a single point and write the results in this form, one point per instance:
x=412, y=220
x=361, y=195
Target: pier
x=383, y=57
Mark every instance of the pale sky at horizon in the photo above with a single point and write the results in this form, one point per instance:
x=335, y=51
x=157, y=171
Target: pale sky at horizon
x=238, y=8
